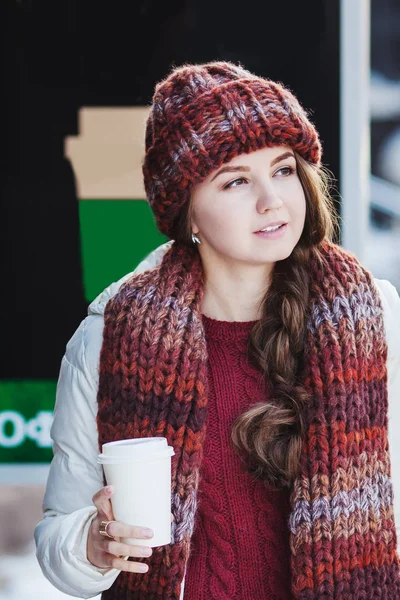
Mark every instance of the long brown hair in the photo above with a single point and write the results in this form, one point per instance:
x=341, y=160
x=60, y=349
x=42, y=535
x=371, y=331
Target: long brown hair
x=268, y=436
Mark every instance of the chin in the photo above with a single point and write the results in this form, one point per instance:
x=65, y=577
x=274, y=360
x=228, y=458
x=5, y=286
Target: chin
x=278, y=253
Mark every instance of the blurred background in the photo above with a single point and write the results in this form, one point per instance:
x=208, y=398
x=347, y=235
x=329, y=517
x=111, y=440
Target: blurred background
x=79, y=78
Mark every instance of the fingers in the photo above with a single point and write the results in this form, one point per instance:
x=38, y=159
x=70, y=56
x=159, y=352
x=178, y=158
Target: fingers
x=101, y=500
x=119, y=549
x=118, y=529
x=107, y=552
x=115, y=562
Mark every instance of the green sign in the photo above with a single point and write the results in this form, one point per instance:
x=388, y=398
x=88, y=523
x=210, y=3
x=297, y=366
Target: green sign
x=26, y=416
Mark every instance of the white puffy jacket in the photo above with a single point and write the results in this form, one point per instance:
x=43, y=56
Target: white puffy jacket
x=75, y=475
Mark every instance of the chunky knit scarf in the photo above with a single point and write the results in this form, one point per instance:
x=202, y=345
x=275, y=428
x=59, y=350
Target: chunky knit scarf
x=153, y=382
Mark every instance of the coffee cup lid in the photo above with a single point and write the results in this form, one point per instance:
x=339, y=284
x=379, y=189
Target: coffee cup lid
x=135, y=449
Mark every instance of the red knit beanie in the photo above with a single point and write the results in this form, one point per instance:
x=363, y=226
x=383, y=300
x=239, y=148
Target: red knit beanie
x=202, y=116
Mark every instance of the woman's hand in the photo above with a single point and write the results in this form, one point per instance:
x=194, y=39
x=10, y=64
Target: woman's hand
x=103, y=551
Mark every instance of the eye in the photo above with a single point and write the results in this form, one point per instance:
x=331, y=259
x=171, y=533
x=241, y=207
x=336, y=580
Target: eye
x=289, y=170
x=229, y=185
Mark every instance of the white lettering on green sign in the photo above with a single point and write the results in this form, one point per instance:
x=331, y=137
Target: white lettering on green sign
x=36, y=429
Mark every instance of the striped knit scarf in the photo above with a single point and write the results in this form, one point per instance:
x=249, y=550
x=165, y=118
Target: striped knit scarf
x=153, y=382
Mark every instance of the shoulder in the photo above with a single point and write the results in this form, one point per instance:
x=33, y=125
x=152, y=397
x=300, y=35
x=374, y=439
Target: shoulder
x=83, y=349
x=391, y=312
x=97, y=306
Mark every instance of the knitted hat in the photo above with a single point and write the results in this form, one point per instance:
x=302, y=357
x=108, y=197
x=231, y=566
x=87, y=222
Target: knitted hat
x=204, y=115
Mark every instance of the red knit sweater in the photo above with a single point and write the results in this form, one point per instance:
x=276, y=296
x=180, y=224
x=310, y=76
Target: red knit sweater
x=240, y=544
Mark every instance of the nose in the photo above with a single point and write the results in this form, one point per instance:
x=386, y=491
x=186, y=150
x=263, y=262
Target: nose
x=267, y=198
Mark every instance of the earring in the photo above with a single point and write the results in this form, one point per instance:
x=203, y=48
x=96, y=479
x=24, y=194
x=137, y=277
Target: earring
x=195, y=239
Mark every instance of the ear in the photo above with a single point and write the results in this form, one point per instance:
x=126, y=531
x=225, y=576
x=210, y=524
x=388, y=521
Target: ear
x=191, y=217
x=194, y=227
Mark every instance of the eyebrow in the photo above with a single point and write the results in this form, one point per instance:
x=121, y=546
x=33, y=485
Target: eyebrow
x=233, y=169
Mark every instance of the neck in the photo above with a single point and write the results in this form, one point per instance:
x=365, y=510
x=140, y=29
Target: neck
x=235, y=293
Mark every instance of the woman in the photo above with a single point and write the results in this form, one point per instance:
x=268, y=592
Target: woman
x=257, y=346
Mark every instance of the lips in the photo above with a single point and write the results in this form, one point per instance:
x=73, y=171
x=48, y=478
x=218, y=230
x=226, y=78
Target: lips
x=272, y=224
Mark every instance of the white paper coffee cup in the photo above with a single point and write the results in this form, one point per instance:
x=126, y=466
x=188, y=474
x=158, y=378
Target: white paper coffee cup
x=140, y=471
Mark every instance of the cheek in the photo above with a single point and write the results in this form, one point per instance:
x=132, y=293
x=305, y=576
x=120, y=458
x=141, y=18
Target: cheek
x=296, y=204
x=218, y=218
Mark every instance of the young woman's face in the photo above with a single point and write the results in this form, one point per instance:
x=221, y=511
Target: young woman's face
x=251, y=192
